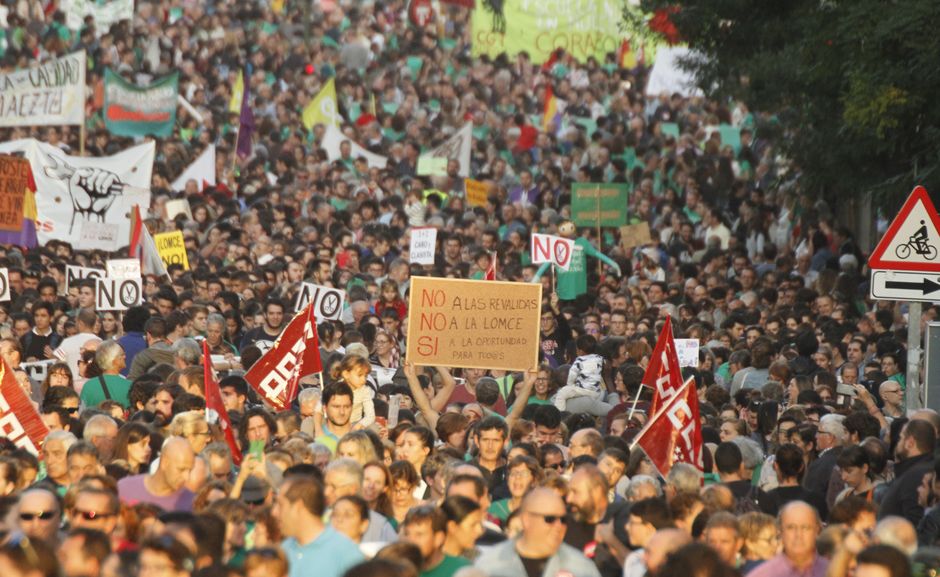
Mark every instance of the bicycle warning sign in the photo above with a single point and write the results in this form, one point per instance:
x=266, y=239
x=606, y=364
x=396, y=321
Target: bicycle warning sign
x=911, y=242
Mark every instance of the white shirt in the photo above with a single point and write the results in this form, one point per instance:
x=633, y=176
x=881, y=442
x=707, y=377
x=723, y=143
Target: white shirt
x=71, y=350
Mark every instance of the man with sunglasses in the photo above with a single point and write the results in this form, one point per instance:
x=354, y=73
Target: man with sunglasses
x=39, y=515
x=540, y=549
x=96, y=509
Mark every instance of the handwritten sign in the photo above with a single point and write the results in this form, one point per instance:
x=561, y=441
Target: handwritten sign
x=477, y=192
x=602, y=204
x=123, y=268
x=633, y=235
x=687, y=351
x=423, y=241
x=14, y=178
x=172, y=248
x=99, y=236
x=474, y=324
x=178, y=206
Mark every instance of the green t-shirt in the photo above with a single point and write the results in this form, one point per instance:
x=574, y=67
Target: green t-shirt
x=118, y=387
x=447, y=567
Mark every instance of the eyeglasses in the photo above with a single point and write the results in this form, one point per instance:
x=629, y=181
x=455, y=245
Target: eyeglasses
x=42, y=516
x=551, y=519
x=92, y=515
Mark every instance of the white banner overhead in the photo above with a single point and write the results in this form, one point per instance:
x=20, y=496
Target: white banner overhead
x=105, y=13
x=333, y=141
x=458, y=147
x=73, y=191
x=51, y=93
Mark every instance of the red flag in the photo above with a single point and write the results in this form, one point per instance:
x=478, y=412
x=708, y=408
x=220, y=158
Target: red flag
x=663, y=374
x=19, y=420
x=215, y=407
x=310, y=329
x=674, y=434
x=490, y=273
x=271, y=376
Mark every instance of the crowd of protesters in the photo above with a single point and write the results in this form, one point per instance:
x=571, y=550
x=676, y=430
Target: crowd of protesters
x=813, y=464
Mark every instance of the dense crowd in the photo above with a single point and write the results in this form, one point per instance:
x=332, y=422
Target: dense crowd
x=813, y=465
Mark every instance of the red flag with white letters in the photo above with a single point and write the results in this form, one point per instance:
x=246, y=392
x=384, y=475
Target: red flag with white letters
x=273, y=374
x=674, y=434
x=19, y=420
x=663, y=374
x=215, y=407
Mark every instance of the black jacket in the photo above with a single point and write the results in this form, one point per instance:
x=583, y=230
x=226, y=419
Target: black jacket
x=900, y=498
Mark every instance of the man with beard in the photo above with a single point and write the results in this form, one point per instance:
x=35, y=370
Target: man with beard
x=591, y=518
x=914, y=460
x=337, y=407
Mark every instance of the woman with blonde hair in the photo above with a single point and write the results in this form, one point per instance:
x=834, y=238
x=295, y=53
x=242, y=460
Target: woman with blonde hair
x=761, y=539
x=357, y=445
x=193, y=427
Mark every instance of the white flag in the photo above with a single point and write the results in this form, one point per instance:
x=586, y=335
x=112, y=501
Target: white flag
x=458, y=147
x=202, y=170
x=332, y=141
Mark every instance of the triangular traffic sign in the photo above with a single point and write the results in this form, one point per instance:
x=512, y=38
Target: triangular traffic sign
x=911, y=242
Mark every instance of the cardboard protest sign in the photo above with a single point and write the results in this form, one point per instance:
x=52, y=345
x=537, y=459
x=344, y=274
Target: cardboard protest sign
x=172, y=248
x=178, y=206
x=687, y=351
x=477, y=192
x=14, y=179
x=423, y=241
x=50, y=93
x=430, y=166
x=4, y=284
x=99, y=236
x=73, y=274
x=118, y=294
x=599, y=204
x=327, y=301
x=474, y=324
x=554, y=249
x=37, y=370
x=633, y=235
x=131, y=110
x=19, y=420
x=123, y=268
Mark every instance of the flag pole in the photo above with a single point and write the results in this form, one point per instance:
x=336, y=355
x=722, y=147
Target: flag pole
x=600, y=240
x=635, y=401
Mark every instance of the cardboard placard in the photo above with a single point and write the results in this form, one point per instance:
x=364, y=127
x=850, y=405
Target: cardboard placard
x=14, y=179
x=687, y=351
x=118, y=294
x=599, y=204
x=172, y=248
x=73, y=274
x=477, y=192
x=4, y=284
x=554, y=249
x=123, y=268
x=423, y=242
x=633, y=235
x=99, y=236
x=474, y=324
x=178, y=206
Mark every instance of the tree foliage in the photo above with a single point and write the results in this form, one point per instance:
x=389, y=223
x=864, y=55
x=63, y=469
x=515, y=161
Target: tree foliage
x=854, y=83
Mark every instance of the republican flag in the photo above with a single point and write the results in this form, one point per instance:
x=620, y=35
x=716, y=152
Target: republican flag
x=26, y=236
x=490, y=273
x=143, y=248
x=19, y=420
x=550, y=111
x=202, y=170
x=295, y=354
x=663, y=374
x=626, y=57
x=246, y=122
x=215, y=407
x=674, y=433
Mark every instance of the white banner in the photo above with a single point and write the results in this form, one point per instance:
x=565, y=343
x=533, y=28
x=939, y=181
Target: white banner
x=51, y=93
x=458, y=147
x=332, y=144
x=202, y=170
x=423, y=241
x=105, y=13
x=73, y=190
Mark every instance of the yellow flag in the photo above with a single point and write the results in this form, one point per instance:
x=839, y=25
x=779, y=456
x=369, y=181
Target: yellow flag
x=238, y=92
x=322, y=109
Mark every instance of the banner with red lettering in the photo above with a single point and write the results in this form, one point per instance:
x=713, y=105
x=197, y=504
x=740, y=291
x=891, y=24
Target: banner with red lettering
x=674, y=434
x=215, y=407
x=271, y=376
x=19, y=420
x=663, y=373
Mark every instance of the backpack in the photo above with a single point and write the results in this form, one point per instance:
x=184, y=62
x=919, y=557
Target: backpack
x=747, y=503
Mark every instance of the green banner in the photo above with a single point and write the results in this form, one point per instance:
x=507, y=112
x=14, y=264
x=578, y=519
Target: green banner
x=583, y=28
x=603, y=203
x=130, y=110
